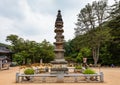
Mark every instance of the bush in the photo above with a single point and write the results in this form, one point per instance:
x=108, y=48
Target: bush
x=13, y=64
x=78, y=67
x=89, y=71
x=29, y=71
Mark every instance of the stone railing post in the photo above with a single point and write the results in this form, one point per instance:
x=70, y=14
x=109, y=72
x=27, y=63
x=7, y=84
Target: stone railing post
x=101, y=76
x=60, y=78
x=43, y=79
x=17, y=77
x=88, y=78
x=75, y=79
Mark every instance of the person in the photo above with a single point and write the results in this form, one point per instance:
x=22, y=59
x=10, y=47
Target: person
x=112, y=65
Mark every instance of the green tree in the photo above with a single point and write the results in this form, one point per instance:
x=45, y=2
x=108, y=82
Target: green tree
x=85, y=52
x=90, y=24
x=47, y=53
x=31, y=51
x=105, y=55
x=71, y=50
x=114, y=45
x=12, y=39
x=115, y=9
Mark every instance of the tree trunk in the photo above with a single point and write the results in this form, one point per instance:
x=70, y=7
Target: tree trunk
x=33, y=59
x=25, y=61
x=96, y=55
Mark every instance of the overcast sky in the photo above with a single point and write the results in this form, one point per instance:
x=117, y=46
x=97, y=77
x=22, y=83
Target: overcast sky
x=34, y=19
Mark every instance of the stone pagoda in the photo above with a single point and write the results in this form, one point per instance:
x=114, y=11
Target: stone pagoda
x=59, y=63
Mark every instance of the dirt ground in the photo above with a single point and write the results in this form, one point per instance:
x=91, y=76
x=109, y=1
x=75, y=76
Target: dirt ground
x=111, y=77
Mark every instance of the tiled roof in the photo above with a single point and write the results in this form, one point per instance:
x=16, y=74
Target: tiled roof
x=4, y=50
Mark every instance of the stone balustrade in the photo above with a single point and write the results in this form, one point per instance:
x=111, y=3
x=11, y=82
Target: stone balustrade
x=98, y=77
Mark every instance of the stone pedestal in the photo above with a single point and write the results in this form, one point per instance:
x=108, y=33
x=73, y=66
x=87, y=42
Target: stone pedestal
x=59, y=67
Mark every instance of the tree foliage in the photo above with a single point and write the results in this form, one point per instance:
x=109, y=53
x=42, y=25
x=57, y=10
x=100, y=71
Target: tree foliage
x=30, y=51
x=97, y=37
x=90, y=24
x=115, y=9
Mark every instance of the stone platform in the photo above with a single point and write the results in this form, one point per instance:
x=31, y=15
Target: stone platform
x=61, y=78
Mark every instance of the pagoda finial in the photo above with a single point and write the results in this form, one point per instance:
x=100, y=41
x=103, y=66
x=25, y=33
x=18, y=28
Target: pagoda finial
x=59, y=11
x=59, y=18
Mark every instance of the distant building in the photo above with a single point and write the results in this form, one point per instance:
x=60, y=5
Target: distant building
x=5, y=56
x=5, y=52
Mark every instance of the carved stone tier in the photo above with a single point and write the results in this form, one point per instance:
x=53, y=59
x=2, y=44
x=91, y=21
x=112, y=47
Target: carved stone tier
x=59, y=62
x=59, y=24
x=58, y=43
x=59, y=50
x=58, y=30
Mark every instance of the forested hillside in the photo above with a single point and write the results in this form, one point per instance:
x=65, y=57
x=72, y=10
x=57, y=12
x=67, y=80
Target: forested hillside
x=97, y=34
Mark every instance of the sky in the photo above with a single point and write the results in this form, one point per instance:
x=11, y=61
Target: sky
x=35, y=19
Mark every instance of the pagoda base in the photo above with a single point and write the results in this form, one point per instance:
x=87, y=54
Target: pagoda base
x=59, y=67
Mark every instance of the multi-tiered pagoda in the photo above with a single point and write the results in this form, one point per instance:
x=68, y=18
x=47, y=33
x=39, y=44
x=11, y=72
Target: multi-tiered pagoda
x=59, y=64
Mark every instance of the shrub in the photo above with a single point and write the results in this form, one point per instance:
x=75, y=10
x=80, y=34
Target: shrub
x=78, y=67
x=89, y=71
x=29, y=71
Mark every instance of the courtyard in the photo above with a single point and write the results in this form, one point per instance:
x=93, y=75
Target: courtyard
x=111, y=77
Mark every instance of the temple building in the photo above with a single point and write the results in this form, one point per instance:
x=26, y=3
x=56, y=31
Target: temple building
x=5, y=56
